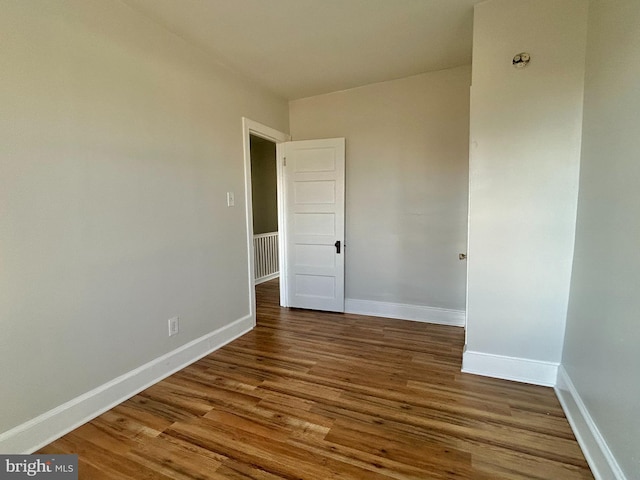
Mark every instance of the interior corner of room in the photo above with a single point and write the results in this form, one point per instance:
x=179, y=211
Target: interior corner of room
x=126, y=201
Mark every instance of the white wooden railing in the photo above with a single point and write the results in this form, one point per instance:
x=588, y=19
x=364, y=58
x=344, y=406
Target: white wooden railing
x=265, y=247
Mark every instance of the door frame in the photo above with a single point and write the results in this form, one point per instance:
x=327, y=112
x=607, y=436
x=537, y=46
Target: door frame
x=251, y=127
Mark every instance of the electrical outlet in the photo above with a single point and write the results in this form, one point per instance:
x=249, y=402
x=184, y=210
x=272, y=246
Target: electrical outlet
x=174, y=326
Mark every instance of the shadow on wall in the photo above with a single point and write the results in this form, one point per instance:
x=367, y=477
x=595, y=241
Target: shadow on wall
x=264, y=185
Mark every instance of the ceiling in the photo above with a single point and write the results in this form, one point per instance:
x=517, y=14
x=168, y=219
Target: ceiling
x=300, y=48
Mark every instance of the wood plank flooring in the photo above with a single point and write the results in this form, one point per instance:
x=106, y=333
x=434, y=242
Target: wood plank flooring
x=310, y=395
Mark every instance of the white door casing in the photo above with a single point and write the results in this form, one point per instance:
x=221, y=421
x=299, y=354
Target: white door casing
x=314, y=178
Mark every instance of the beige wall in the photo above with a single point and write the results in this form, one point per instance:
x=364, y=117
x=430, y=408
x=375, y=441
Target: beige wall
x=406, y=184
x=524, y=162
x=118, y=142
x=264, y=183
x=601, y=354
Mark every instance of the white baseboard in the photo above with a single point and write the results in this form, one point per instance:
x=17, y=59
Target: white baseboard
x=602, y=462
x=260, y=280
x=401, y=311
x=510, y=368
x=42, y=430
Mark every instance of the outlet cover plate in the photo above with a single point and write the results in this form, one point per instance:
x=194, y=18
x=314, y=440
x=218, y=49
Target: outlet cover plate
x=174, y=326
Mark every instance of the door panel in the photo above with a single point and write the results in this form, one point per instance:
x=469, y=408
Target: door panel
x=314, y=222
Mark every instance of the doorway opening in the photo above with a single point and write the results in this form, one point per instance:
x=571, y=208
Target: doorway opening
x=310, y=217
x=264, y=195
x=264, y=141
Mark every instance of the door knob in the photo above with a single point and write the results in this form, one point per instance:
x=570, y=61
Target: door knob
x=337, y=245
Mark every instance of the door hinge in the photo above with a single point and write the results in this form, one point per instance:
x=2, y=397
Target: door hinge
x=284, y=161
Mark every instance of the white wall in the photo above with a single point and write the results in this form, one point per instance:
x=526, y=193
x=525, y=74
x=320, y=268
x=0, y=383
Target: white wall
x=601, y=355
x=524, y=163
x=406, y=184
x=118, y=142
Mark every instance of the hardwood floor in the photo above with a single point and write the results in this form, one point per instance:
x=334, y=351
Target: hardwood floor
x=310, y=395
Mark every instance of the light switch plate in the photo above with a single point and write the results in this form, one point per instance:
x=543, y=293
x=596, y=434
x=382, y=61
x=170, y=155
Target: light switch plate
x=231, y=201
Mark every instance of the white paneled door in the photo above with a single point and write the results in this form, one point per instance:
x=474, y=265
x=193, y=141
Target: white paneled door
x=314, y=223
